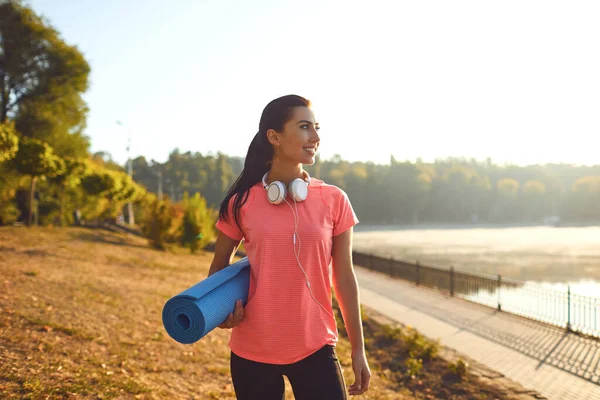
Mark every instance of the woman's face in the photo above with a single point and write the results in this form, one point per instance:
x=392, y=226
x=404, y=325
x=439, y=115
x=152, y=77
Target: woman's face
x=299, y=141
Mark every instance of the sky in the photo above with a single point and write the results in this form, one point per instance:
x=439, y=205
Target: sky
x=516, y=81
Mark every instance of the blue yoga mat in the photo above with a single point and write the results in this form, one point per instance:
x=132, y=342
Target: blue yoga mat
x=193, y=313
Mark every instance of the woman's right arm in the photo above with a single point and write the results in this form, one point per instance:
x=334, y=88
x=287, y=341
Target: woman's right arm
x=225, y=249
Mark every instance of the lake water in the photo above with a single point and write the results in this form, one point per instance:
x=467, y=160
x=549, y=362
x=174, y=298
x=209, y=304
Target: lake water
x=554, y=257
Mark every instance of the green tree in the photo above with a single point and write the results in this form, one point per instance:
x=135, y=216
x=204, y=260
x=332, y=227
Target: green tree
x=9, y=142
x=36, y=160
x=41, y=81
x=112, y=189
x=98, y=182
x=68, y=181
x=9, y=180
x=124, y=190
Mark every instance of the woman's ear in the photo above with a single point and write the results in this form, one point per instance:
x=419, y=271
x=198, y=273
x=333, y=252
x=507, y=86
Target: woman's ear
x=273, y=137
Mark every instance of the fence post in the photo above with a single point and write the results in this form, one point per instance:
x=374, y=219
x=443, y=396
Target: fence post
x=418, y=269
x=569, y=308
x=391, y=266
x=451, y=281
x=498, y=290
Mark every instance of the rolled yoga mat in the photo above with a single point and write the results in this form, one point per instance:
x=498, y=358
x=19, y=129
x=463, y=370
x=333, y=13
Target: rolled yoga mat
x=193, y=313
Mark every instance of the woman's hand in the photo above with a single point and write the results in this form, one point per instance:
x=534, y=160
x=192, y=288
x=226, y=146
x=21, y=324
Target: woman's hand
x=234, y=318
x=362, y=374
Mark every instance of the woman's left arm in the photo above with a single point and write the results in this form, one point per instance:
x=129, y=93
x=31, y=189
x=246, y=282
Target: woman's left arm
x=345, y=286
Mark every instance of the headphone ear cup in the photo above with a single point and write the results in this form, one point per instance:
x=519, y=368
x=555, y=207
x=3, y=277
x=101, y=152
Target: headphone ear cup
x=299, y=189
x=276, y=192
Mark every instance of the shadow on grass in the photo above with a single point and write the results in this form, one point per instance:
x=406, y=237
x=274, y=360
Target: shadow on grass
x=95, y=235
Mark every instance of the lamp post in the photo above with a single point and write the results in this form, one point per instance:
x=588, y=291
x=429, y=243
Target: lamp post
x=159, y=175
x=130, y=172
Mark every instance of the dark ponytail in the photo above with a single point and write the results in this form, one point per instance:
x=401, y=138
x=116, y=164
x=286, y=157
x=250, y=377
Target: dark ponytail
x=260, y=152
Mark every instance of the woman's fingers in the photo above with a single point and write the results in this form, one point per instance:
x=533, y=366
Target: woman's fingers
x=227, y=323
x=362, y=375
x=235, y=317
x=238, y=313
x=365, y=380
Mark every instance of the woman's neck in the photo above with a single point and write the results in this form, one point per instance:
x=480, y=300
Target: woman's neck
x=285, y=172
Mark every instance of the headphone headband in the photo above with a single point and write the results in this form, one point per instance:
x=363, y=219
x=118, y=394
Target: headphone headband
x=277, y=191
x=264, y=179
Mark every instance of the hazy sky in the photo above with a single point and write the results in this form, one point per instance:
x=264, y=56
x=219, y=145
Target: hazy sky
x=517, y=81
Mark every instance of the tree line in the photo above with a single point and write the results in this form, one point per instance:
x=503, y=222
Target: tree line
x=453, y=190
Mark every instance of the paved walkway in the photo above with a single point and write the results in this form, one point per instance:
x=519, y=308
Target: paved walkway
x=539, y=357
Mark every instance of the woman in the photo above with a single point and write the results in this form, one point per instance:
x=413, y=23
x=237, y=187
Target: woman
x=297, y=233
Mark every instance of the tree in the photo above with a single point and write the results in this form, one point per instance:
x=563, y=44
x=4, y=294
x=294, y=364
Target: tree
x=481, y=196
x=41, y=81
x=407, y=190
x=68, y=180
x=584, y=199
x=506, y=201
x=452, y=194
x=533, y=199
x=98, y=182
x=354, y=186
x=507, y=188
x=9, y=142
x=37, y=160
x=9, y=180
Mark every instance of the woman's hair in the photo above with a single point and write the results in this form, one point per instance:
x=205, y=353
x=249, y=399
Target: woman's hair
x=260, y=152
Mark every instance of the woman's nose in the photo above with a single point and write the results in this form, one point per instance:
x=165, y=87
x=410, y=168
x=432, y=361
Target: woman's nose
x=315, y=136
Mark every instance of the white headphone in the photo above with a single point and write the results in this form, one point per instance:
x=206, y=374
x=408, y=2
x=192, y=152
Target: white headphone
x=277, y=191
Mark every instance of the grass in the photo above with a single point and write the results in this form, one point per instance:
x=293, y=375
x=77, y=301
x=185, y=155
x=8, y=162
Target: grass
x=80, y=317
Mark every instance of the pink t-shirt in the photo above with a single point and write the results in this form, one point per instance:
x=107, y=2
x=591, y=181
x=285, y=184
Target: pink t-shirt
x=282, y=323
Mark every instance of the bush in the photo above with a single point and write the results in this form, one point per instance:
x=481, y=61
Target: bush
x=459, y=367
x=391, y=332
x=9, y=184
x=9, y=213
x=420, y=347
x=198, y=226
x=48, y=209
x=413, y=366
x=159, y=225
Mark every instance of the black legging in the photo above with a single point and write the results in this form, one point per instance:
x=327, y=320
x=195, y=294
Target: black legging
x=318, y=376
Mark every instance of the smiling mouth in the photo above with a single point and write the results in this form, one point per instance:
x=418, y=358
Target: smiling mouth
x=310, y=150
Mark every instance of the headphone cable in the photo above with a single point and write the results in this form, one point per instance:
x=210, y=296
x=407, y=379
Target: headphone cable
x=297, y=255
